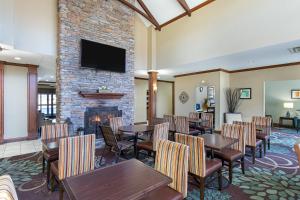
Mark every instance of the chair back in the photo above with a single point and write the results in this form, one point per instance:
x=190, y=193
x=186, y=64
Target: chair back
x=197, y=164
x=194, y=115
x=297, y=150
x=262, y=121
x=171, y=120
x=232, y=117
x=115, y=123
x=249, y=132
x=237, y=132
x=182, y=124
x=51, y=131
x=76, y=155
x=172, y=160
x=157, y=120
x=161, y=132
x=208, y=119
x=109, y=137
x=7, y=188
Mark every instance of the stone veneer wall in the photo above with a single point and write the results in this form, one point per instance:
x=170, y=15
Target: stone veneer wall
x=108, y=22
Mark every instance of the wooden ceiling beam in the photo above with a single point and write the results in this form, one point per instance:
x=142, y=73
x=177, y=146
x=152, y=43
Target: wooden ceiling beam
x=150, y=19
x=145, y=8
x=185, y=6
x=184, y=14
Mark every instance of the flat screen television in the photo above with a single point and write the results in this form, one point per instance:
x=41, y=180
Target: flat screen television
x=102, y=56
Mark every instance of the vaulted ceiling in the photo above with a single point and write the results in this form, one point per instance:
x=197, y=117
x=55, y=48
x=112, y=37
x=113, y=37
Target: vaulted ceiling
x=161, y=13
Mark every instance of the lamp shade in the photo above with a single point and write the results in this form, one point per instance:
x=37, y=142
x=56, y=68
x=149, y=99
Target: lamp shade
x=288, y=105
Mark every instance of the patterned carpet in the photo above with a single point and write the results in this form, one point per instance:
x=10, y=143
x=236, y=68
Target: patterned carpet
x=276, y=176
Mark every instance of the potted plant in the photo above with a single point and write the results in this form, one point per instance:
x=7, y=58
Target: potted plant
x=233, y=103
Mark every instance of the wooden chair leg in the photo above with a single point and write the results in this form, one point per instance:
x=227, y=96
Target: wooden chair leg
x=243, y=164
x=43, y=164
x=269, y=143
x=230, y=171
x=51, y=181
x=117, y=156
x=260, y=150
x=253, y=151
x=102, y=155
x=137, y=153
x=220, y=178
x=265, y=146
x=61, y=191
x=48, y=171
x=202, y=188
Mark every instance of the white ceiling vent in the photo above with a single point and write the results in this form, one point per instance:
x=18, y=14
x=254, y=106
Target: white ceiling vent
x=294, y=50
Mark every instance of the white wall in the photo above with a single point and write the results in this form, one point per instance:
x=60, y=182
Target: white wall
x=278, y=92
x=140, y=100
x=29, y=25
x=141, y=45
x=15, y=102
x=226, y=27
x=164, y=99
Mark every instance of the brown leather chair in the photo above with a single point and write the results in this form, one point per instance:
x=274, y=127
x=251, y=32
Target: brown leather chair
x=297, y=150
x=237, y=151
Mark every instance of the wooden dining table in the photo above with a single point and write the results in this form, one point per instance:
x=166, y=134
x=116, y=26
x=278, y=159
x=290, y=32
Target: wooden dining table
x=128, y=180
x=137, y=130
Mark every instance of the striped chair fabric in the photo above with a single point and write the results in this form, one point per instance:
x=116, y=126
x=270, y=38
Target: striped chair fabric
x=208, y=119
x=262, y=121
x=58, y=130
x=194, y=115
x=172, y=160
x=76, y=155
x=7, y=188
x=182, y=124
x=197, y=163
x=161, y=132
x=115, y=123
x=297, y=150
x=235, y=131
x=171, y=120
x=249, y=132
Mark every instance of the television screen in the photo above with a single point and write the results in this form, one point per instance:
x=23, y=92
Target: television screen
x=102, y=57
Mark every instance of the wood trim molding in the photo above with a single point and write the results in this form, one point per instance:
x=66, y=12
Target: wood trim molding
x=32, y=102
x=17, y=64
x=240, y=70
x=142, y=4
x=147, y=79
x=1, y=102
x=151, y=112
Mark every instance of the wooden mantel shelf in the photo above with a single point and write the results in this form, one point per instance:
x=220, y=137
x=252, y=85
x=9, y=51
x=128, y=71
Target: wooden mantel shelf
x=101, y=95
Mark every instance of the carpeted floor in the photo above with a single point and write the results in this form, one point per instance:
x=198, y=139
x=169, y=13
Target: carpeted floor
x=276, y=176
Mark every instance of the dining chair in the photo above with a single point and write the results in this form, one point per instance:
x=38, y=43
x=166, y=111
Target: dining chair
x=250, y=138
x=158, y=120
x=112, y=144
x=265, y=122
x=7, y=188
x=194, y=115
x=52, y=131
x=171, y=160
x=161, y=132
x=182, y=125
x=297, y=150
x=76, y=156
x=208, y=123
x=171, y=120
x=199, y=166
x=115, y=123
x=237, y=151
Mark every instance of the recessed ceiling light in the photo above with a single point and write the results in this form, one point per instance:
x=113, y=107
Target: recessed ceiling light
x=17, y=58
x=51, y=76
x=47, y=80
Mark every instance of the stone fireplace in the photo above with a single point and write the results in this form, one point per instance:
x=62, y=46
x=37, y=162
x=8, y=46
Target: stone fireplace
x=97, y=116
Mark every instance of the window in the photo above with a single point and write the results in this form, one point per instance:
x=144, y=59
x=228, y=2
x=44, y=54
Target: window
x=47, y=102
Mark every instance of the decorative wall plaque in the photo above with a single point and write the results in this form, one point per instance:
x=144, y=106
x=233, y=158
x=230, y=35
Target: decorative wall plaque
x=183, y=97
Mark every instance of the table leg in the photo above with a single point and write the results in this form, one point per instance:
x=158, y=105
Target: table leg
x=135, y=142
x=212, y=156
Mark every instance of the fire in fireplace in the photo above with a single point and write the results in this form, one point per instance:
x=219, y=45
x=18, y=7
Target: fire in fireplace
x=97, y=116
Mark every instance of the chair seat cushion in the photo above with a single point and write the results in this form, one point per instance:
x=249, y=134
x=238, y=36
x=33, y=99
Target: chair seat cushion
x=166, y=193
x=212, y=165
x=145, y=145
x=262, y=136
x=258, y=142
x=228, y=154
x=54, y=168
x=50, y=155
x=194, y=132
x=124, y=144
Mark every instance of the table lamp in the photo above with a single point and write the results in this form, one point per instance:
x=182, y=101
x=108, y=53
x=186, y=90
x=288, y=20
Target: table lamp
x=288, y=105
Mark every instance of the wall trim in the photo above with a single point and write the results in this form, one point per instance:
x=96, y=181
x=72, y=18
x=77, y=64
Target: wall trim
x=17, y=64
x=239, y=70
x=146, y=79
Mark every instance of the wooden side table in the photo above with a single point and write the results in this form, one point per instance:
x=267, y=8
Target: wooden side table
x=282, y=119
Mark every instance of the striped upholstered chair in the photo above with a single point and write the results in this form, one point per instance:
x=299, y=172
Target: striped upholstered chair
x=52, y=131
x=171, y=160
x=161, y=132
x=198, y=164
x=208, y=123
x=250, y=138
x=297, y=150
x=183, y=126
x=194, y=115
x=115, y=123
x=76, y=156
x=264, y=134
x=172, y=128
x=237, y=151
x=7, y=188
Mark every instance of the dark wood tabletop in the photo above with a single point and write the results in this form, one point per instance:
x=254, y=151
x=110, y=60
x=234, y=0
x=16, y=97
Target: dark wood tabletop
x=217, y=141
x=128, y=180
x=263, y=129
x=53, y=143
x=137, y=128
